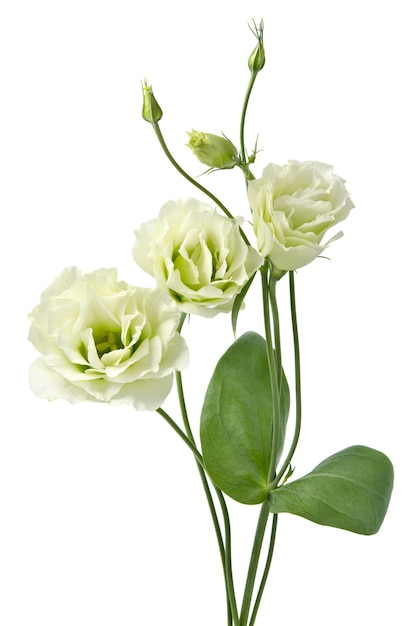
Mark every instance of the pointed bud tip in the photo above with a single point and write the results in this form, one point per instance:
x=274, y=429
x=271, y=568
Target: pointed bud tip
x=258, y=58
x=151, y=110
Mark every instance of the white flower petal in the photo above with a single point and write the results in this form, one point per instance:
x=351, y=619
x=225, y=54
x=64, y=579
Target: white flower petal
x=50, y=385
x=100, y=336
x=196, y=255
x=145, y=395
x=293, y=206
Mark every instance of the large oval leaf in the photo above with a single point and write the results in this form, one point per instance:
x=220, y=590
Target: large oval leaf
x=349, y=490
x=236, y=421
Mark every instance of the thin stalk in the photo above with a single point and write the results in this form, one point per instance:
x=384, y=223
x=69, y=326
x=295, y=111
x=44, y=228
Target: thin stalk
x=276, y=330
x=182, y=403
x=225, y=551
x=298, y=392
x=190, y=179
x=275, y=392
x=274, y=359
x=243, y=156
x=181, y=434
x=224, y=556
x=274, y=362
x=266, y=570
x=232, y=603
x=255, y=557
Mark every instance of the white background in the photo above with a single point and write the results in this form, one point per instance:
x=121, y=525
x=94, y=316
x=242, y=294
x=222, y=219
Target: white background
x=102, y=518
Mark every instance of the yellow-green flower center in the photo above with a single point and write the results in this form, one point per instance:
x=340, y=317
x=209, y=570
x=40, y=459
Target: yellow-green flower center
x=106, y=342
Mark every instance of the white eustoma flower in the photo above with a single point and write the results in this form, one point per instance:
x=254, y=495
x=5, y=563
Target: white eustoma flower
x=104, y=340
x=197, y=255
x=293, y=206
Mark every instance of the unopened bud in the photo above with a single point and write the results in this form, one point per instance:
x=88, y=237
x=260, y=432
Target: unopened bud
x=151, y=110
x=258, y=58
x=213, y=150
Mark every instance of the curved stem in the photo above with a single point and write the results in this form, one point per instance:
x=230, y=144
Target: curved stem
x=225, y=551
x=181, y=434
x=243, y=156
x=191, y=180
x=182, y=402
x=266, y=570
x=298, y=392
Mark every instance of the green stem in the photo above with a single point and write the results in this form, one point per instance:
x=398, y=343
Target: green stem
x=255, y=557
x=298, y=392
x=243, y=156
x=274, y=361
x=274, y=377
x=276, y=330
x=266, y=570
x=181, y=434
x=275, y=366
x=225, y=552
x=180, y=393
x=190, y=179
x=232, y=603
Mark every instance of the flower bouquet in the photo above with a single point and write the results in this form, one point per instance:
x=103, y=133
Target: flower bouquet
x=104, y=340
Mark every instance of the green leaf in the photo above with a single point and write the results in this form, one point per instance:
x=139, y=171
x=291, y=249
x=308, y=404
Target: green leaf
x=349, y=490
x=236, y=421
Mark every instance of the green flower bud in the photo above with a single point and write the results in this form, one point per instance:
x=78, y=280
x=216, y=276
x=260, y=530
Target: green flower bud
x=258, y=58
x=151, y=110
x=212, y=150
